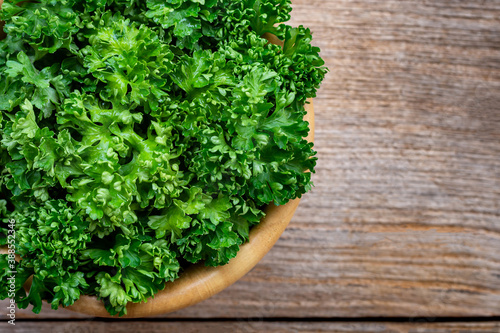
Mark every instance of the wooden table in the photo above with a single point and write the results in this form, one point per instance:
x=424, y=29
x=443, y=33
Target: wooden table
x=402, y=230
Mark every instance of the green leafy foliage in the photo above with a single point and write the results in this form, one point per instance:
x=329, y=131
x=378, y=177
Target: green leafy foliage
x=137, y=137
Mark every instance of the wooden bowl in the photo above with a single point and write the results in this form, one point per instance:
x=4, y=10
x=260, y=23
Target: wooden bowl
x=198, y=282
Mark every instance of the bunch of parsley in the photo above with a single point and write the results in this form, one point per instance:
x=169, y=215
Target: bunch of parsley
x=138, y=137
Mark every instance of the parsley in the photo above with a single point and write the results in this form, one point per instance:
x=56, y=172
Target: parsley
x=140, y=136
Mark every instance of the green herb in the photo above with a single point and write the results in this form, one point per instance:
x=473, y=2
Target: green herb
x=138, y=137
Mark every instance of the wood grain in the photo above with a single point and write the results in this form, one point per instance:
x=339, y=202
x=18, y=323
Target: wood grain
x=404, y=219
x=251, y=327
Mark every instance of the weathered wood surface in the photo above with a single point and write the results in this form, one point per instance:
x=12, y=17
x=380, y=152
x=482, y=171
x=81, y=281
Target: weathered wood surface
x=405, y=216
x=242, y=326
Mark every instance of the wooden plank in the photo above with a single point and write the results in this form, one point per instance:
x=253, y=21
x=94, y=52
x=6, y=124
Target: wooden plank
x=405, y=216
x=250, y=327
